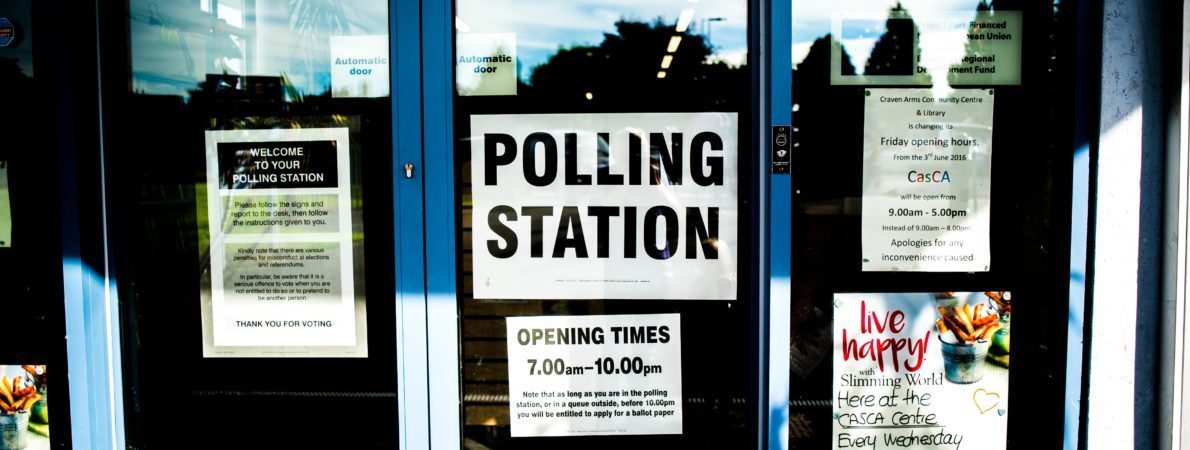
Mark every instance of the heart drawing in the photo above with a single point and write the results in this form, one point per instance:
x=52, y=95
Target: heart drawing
x=985, y=401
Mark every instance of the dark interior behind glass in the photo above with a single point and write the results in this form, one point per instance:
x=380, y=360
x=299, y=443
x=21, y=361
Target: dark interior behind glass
x=1030, y=191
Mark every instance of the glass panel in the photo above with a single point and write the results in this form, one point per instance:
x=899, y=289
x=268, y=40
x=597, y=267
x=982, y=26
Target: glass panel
x=252, y=193
x=601, y=149
x=177, y=45
x=907, y=232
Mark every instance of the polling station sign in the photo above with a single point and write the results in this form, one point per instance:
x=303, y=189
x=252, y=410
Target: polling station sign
x=605, y=206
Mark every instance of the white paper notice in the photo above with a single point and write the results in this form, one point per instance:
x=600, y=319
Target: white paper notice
x=604, y=206
x=926, y=48
x=486, y=64
x=5, y=208
x=595, y=375
x=281, y=272
x=359, y=66
x=927, y=180
x=900, y=383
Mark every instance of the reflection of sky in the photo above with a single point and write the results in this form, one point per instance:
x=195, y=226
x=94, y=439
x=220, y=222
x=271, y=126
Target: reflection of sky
x=175, y=42
x=812, y=20
x=544, y=27
x=174, y=47
x=859, y=37
x=17, y=11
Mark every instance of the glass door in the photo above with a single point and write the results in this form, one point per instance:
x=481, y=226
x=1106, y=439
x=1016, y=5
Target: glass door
x=605, y=234
x=249, y=156
x=928, y=260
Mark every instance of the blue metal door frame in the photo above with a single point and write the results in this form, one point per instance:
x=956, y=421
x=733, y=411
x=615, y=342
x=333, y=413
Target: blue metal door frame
x=409, y=229
x=442, y=300
x=780, y=63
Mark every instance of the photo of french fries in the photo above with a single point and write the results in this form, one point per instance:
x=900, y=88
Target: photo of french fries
x=1002, y=300
x=24, y=417
x=17, y=395
x=36, y=372
x=969, y=324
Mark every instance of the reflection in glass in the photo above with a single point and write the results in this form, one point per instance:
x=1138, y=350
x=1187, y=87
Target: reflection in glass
x=178, y=44
x=812, y=20
x=909, y=43
x=549, y=29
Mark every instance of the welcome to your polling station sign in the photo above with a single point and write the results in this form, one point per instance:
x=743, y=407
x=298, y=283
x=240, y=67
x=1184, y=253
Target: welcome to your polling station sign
x=608, y=206
x=282, y=278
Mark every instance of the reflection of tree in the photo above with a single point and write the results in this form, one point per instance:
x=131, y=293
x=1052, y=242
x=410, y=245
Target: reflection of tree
x=819, y=111
x=12, y=77
x=814, y=70
x=820, y=117
x=977, y=47
x=896, y=49
x=828, y=122
x=621, y=74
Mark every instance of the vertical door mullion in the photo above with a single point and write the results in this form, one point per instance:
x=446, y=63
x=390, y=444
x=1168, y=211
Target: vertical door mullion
x=412, y=355
x=778, y=39
x=441, y=268
x=761, y=58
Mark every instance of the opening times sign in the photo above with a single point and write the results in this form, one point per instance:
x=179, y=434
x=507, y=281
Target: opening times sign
x=605, y=206
x=281, y=273
x=595, y=375
x=927, y=180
